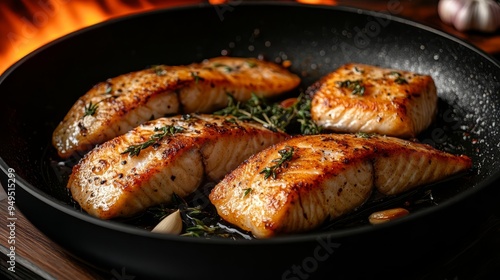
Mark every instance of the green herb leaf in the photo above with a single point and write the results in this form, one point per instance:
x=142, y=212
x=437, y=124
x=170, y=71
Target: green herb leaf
x=135, y=150
x=399, y=78
x=197, y=77
x=273, y=116
x=159, y=70
x=226, y=67
x=199, y=228
x=303, y=116
x=363, y=135
x=401, y=81
x=251, y=64
x=247, y=191
x=90, y=109
x=286, y=155
x=356, y=87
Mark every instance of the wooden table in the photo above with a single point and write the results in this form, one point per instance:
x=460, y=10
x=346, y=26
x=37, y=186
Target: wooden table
x=39, y=258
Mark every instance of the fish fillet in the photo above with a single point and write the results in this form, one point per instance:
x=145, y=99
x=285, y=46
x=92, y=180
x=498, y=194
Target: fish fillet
x=119, y=104
x=365, y=98
x=326, y=177
x=124, y=176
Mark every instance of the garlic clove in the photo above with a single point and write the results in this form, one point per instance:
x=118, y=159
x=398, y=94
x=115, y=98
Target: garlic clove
x=172, y=224
x=466, y=15
x=447, y=9
x=487, y=15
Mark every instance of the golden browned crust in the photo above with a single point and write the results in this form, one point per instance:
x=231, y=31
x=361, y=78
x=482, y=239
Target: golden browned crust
x=121, y=103
x=327, y=177
x=110, y=182
x=365, y=98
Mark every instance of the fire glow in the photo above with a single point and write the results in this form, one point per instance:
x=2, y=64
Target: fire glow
x=26, y=25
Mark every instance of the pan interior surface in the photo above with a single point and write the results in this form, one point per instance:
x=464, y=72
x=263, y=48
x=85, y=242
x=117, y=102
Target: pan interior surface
x=38, y=91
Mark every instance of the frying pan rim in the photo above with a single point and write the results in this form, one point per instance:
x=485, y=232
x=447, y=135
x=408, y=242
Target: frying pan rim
x=304, y=237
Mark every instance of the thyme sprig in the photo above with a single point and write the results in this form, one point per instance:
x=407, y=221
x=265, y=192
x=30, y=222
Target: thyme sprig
x=197, y=226
x=199, y=229
x=90, y=109
x=273, y=116
x=286, y=154
x=135, y=150
x=303, y=116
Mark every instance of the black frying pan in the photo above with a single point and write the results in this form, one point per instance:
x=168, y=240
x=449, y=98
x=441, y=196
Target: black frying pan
x=37, y=92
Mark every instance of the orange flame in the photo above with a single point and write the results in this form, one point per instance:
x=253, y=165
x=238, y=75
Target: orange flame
x=26, y=25
x=31, y=24
x=318, y=2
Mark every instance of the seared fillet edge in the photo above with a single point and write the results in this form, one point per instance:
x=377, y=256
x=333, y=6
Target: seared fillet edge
x=327, y=177
x=109, y=182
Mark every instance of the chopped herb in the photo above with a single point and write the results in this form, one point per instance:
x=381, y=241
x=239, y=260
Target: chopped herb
x=286, y=155
x=363, y=135
x=226, y=67
x=251, y=64
x=196, y=77
x=90, y=109
x=399, y=78
x=159, y=70
x=135, y=150
x=247, y=191
x=361, y=71
x=273, y=116
x=356, y=86
x=401, y=81
x=109, y=88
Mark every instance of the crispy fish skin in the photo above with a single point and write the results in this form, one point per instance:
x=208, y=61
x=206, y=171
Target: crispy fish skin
x=108, y=183
x=327, y=177
x=119, y=104
x=365, y=98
